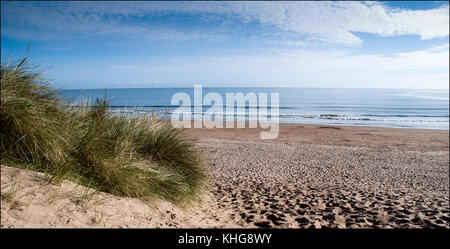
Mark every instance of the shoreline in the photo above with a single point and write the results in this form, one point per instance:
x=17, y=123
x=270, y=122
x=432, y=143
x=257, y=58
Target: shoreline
x=338, y=125
x=341, y=125
x=374, y=126
x=408, y=138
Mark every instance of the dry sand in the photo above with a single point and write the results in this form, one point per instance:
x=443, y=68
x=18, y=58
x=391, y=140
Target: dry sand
x=311, y=176
x=29, y=201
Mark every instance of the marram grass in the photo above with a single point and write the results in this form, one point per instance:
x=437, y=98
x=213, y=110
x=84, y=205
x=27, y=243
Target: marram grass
x=123, y=155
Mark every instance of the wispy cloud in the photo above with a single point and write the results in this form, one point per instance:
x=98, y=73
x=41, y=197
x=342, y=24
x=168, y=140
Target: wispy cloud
x=420, y=69
x=327, y=22
x=241, y=43
x=300, y=59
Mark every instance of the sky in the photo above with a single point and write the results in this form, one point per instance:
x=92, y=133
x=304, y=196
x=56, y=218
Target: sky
x=278, y=44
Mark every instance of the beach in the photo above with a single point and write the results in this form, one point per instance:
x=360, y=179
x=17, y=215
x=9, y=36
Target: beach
x=311, y=176
x=260, y=116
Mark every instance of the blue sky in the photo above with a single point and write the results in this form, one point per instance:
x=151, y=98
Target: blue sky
x=178, y=44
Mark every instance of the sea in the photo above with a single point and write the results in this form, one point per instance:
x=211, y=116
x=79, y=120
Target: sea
x=397, y=108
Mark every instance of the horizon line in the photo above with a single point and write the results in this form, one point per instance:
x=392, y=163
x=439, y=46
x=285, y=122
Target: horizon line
x=118, y=88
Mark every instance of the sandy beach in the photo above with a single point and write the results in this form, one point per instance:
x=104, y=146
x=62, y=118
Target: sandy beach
x=311, y=176
x=350, y=100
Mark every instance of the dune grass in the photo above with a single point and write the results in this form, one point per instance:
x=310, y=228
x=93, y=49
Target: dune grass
x=123, y=155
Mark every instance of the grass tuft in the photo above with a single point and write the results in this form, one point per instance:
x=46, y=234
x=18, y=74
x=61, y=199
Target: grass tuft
x=122, y=155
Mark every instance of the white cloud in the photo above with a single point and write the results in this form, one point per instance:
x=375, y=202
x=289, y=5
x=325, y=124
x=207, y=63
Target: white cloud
x=334, y=22
x=329, y=22
x=294, y=24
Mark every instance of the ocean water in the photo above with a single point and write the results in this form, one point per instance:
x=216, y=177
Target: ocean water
x=427, y=109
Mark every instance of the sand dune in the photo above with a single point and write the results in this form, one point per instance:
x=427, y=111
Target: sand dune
x=29, y=201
